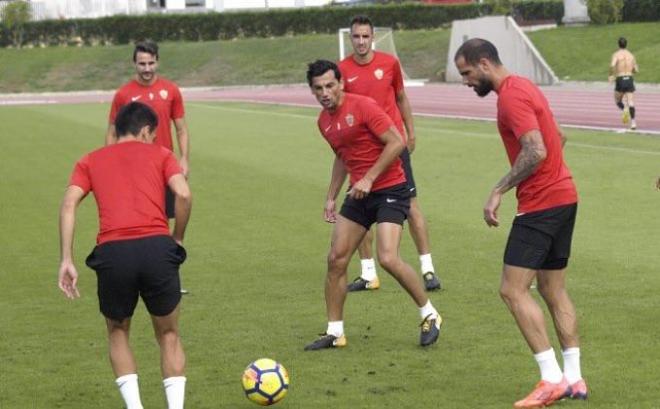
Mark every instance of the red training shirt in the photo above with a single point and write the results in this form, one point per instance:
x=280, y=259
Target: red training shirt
x=352, y=132
x=163, y=96
x=128, y=180
x=522, y=107
x=380, y=79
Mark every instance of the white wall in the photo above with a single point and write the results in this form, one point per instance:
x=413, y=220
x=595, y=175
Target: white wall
x=222, y=5
x=56, y=9
x=516, y=51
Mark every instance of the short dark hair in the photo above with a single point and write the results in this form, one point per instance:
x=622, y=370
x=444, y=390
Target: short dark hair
x=361, y=20
x=475, y=49
x=623, y=43
x=146, y=46
x=320, y=67
x=133, y=117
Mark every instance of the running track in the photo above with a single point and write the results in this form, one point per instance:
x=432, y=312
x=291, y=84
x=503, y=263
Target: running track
x=578, y=105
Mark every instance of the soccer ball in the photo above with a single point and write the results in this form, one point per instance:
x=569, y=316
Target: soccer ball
x=265, y=382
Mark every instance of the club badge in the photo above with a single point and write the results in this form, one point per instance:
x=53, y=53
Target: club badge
x=349, y=119
x=163, y=93
x=378, y=74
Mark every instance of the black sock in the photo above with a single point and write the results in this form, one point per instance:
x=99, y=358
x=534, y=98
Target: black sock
x=632, y=112
x=619, y=104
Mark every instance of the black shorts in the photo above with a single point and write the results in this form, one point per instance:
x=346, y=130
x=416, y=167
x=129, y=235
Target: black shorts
x=389, y=205
x=169, y=203
x=147, y=267
x=541, y=240
x=624, y=83
x=407, y=169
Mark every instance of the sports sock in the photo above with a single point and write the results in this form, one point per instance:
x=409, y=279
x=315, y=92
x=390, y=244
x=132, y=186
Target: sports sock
x=620, y=105
x=128, y=387
x=335, y=328
x=549, y=366
x=427, y=310
x=572, y=370
x=632, y=112
x=175, y=391
x=368, y=269
x=426, y=263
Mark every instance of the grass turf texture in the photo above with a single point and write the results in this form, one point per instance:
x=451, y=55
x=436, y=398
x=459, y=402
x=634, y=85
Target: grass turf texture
x=257, y=247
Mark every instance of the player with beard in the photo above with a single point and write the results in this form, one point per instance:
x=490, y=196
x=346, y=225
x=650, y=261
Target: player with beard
x=540, y=239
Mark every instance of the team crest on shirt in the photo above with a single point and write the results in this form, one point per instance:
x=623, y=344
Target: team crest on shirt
x=378, y=74
x=349, y=119
x=163, y=93
x=151, y=96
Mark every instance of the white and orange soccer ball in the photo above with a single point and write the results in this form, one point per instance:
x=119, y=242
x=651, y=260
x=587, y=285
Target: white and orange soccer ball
x=265, y=382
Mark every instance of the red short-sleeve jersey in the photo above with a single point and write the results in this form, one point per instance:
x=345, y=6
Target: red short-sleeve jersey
x=380, y=79
x=522, y=107
x=352, y=132
x=128, y=180
x=163, y=96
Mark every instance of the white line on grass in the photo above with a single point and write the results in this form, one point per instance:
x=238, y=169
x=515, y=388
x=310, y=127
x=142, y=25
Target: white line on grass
x=436, y=130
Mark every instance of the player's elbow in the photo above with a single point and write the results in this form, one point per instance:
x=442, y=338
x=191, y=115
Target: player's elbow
x=540, y=154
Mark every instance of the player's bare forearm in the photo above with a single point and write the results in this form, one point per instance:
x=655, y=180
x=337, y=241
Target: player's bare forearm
x=72, y=198
x=182, y=205
x=533, y=152
x=393, y=148
x=403, y=104
x=182, y=137
x=337, y=178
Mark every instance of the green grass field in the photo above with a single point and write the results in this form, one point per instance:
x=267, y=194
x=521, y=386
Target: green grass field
x=257, y=245
x=581, y=53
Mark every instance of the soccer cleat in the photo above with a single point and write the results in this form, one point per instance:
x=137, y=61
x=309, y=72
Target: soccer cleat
x=544, y=394
x=326, y=341
x=625, y=117
x=432, y=281
x=578, y=390
x=430, y=330
x=360, y=284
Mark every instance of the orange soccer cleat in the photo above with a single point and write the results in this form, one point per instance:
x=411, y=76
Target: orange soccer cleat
x=544, y=394
x=579, y=390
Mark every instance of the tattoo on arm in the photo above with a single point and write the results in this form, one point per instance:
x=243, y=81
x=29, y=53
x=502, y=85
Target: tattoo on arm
x=533, y=152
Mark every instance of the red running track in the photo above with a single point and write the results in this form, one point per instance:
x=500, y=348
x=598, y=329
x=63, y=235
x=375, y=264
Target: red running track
x=578, y=105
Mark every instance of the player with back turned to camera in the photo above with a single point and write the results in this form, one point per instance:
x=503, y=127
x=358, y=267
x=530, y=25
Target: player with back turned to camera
x=540, y=239
x=622, y=68
x=367, y=146
x=378, y=75
x=136, y=255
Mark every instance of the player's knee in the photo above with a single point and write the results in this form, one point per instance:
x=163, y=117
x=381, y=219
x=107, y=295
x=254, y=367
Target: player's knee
x=388, y=261
x=168, y=337
x=337, y=261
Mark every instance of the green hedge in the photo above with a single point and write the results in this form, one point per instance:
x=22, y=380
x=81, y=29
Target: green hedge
x=641, y=10
x=215, y=26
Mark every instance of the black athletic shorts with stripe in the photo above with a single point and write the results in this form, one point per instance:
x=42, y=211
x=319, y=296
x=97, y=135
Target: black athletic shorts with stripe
x=624, y=83
x=541, y=240
x=147, y=267
x=389, y=205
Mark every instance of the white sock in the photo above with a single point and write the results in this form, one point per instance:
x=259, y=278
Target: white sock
x=368, y=269
x=572, y=370
x=426, y=263
x=175, y=391
x=128, y=387
x=335, y=328
x=427, y=310
x=549, y=366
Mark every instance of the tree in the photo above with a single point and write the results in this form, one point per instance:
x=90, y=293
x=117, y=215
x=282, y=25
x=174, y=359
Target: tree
x=14, y=16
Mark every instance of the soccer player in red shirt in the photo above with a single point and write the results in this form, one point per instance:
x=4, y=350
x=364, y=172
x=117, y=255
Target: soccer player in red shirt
x=540, y=239
x=366, y=145
x=136, y=256
x=378, y=75
x=164, y=97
